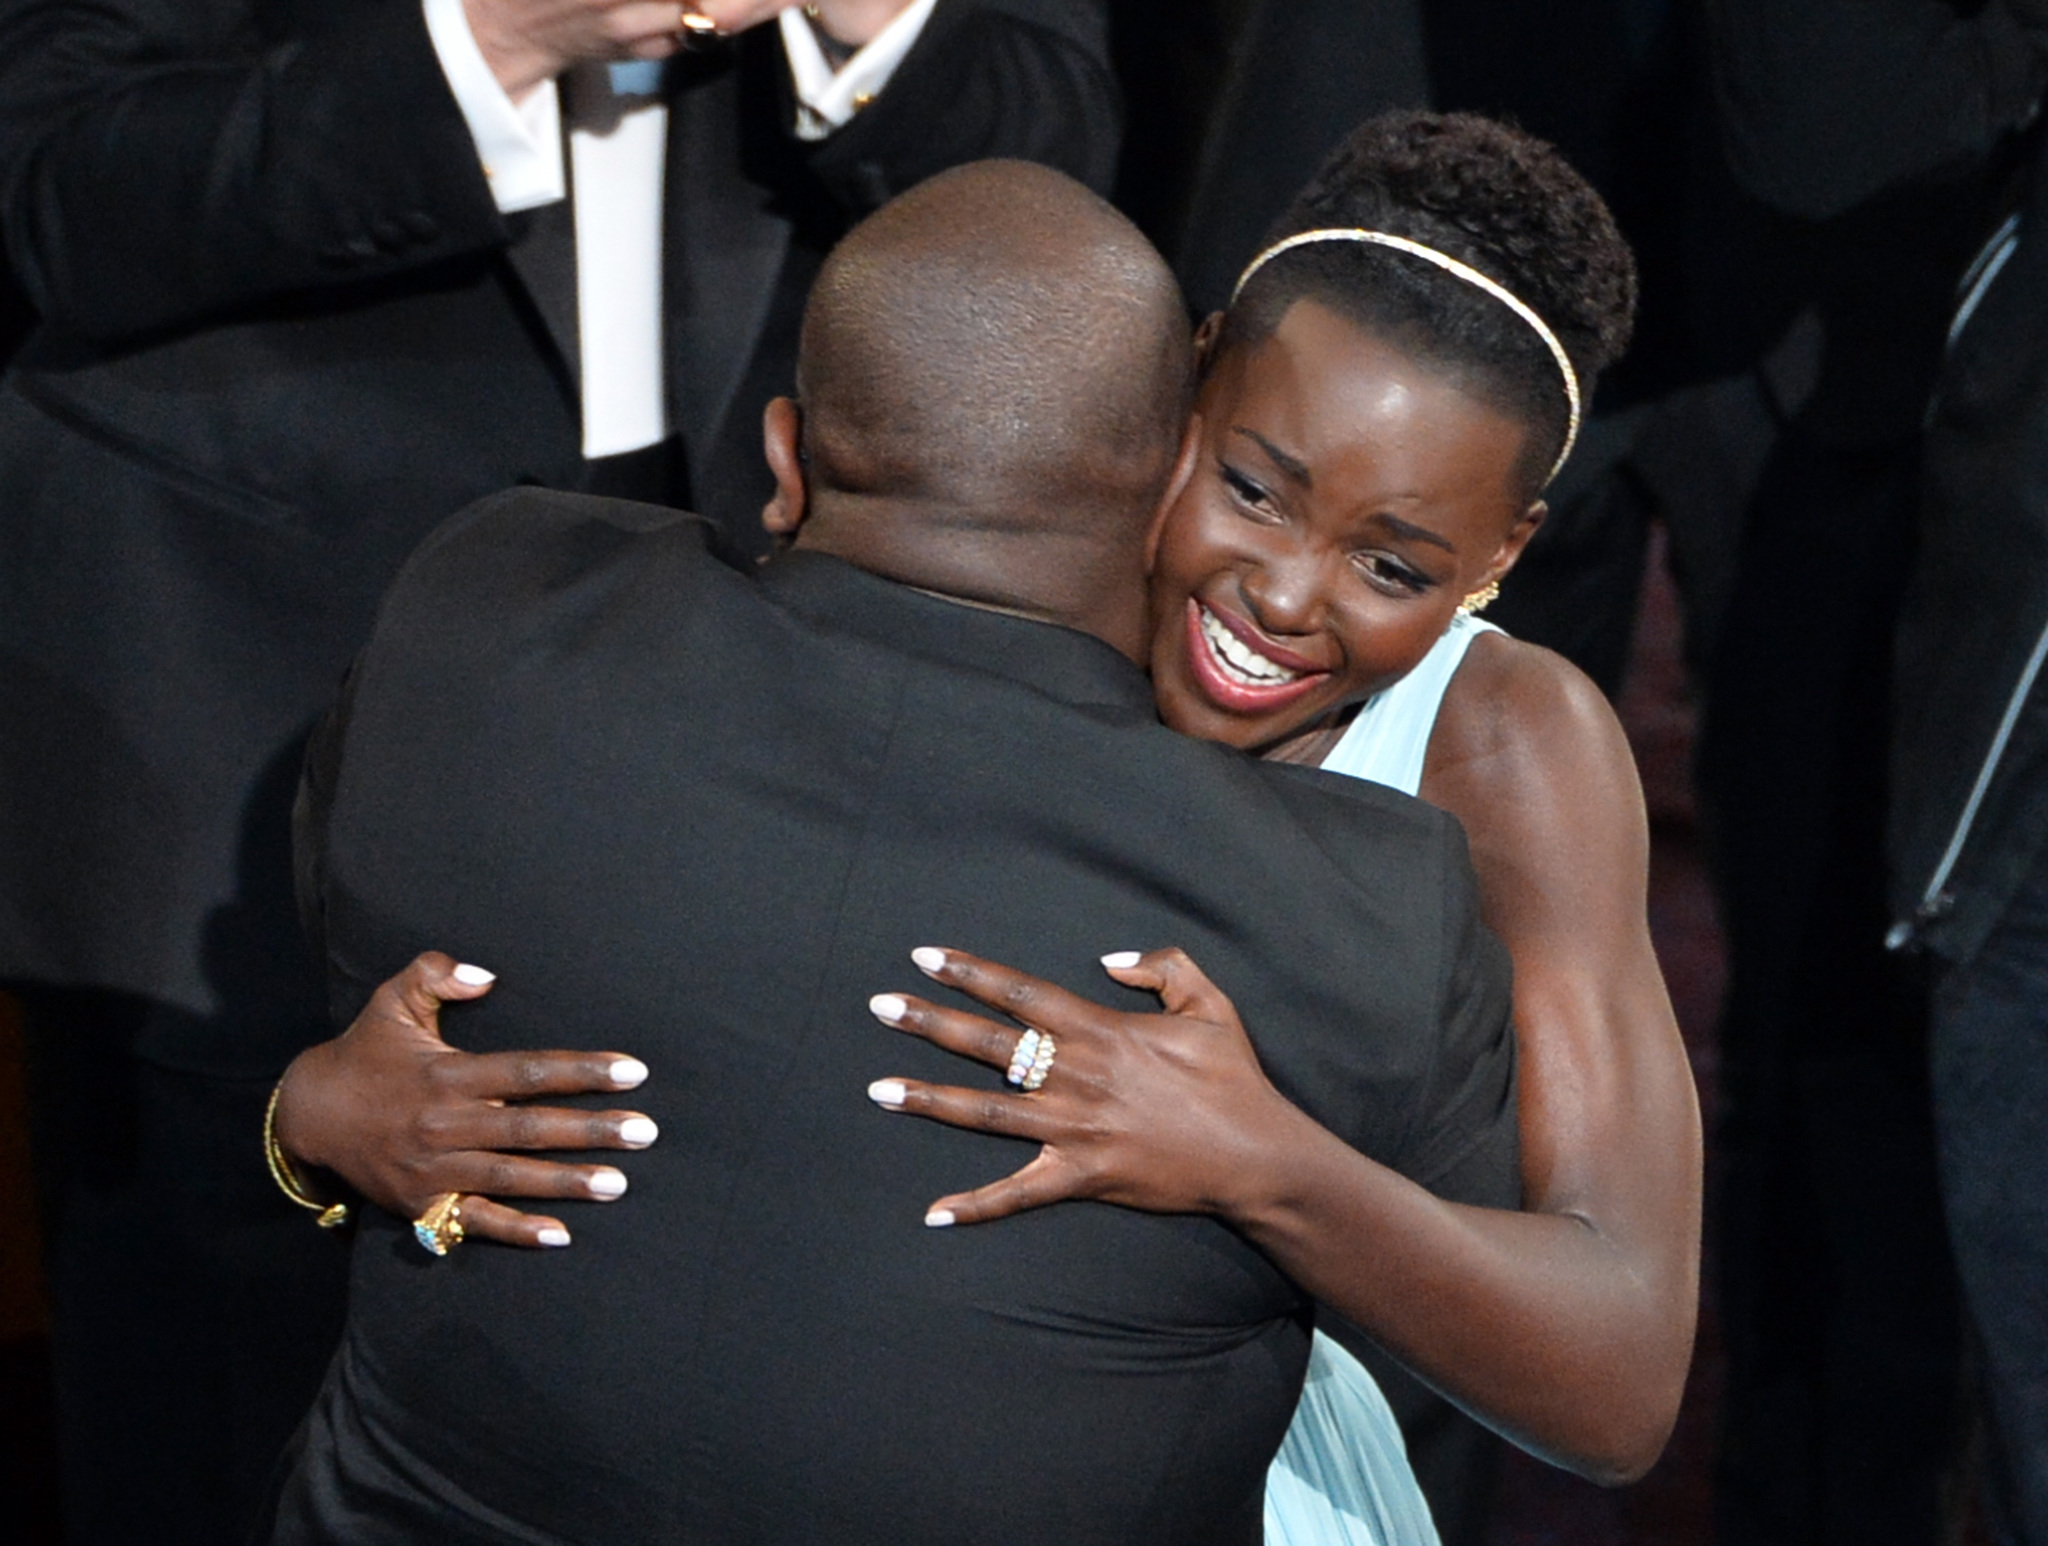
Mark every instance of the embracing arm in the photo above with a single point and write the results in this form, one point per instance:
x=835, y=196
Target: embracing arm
x=1568, y=1325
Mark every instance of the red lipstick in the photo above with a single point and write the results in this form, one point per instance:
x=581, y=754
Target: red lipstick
x=1231, y=692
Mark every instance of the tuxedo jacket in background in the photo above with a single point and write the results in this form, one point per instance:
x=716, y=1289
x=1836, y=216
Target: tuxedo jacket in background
x=285, y=331
x=704, y=815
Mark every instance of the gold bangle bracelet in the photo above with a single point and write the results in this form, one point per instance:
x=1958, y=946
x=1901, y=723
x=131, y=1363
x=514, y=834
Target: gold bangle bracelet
x=332, y=1215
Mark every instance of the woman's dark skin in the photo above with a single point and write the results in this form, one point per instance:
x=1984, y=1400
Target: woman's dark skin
x=1346, y=499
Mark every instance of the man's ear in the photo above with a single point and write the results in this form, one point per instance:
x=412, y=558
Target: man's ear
x=782, y=438
x=1183, y=469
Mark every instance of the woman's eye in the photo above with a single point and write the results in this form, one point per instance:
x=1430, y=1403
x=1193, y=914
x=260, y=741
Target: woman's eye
x=1391, y=574
x=1244, y=490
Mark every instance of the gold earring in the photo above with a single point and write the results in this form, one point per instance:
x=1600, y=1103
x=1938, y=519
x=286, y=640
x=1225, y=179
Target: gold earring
x=1480, y=599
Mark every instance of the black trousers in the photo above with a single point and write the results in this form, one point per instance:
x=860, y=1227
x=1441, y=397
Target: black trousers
x=194, y=1308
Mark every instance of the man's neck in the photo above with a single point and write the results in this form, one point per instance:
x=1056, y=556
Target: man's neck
x=1025, y=575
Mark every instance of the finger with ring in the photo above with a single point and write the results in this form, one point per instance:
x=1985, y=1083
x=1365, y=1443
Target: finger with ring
x=1031, y=1060
x=695, y=24
x=441, y=1225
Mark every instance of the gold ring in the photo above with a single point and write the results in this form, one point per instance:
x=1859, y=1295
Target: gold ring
x=695, y=24
x=441, y=1225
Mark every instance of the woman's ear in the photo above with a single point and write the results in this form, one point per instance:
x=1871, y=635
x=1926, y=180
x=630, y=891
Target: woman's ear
x=782, y=437
x=1509, y=552
x=1183, y=469
x=1205, y=342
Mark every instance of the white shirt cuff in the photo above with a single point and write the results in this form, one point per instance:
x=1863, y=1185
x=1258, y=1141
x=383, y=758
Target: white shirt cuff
x=519, y=144
x=827, y=100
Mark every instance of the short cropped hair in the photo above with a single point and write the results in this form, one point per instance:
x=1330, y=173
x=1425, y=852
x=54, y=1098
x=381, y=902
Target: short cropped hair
x=1500, y=200
x=997, y=339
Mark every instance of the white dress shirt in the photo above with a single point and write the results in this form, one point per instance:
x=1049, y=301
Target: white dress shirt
x=618, y=140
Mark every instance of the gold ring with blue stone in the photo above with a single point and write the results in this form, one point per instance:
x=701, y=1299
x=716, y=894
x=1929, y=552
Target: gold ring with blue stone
x=441, y=1225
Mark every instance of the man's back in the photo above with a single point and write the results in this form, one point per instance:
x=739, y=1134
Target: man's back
x=707, y=817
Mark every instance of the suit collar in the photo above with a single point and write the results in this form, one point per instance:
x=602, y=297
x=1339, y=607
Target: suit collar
x=1063, y=663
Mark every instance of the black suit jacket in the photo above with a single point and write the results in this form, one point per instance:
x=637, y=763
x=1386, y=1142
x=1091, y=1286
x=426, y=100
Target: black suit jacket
x=713, y=813
x=284, y=332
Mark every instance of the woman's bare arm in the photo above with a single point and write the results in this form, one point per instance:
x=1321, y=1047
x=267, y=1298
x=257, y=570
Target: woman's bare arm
x=1567, y=1326
x=1574, y=1323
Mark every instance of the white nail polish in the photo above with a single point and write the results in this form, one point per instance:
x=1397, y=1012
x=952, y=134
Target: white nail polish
x=473, y=976
x=938, y=1218
x=638, y=1131
x=627, y=1071
x=1122, y=960
x=929, y=958
x=887, y=1092
x=608, y=1183
x=888, y=1008
x=553, y=1236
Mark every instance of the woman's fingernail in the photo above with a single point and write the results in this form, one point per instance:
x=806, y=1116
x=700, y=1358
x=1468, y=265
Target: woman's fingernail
x=929, y=958
x=473, y=976
x=553, y=1236
x=939, y=1218
x=638, y=1131
x=1122, y=960
x=889, y=1008
x=627, y=1071
x=887, y=1092
x=608, y=1183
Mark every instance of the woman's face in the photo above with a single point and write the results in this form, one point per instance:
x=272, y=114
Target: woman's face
x=1345, y=500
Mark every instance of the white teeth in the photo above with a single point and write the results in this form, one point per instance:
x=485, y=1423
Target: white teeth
x=1238, y=658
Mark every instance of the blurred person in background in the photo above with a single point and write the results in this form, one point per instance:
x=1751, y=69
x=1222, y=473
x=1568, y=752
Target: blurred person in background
x=1885, y=131
x=309, y=279
x=1969, y=753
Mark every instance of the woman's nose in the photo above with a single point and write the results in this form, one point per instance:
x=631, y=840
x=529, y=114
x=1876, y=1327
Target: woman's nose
x=1285, y=596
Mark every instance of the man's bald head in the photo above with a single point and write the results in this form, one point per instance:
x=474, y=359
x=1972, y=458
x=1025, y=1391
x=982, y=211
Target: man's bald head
x=1000, y=350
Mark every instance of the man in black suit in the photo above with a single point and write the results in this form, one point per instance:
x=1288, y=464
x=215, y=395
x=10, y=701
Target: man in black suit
x=291, y=319
x=723, y=807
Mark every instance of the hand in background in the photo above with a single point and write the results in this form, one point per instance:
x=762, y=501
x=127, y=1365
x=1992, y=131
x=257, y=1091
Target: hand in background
x=850, y=21
x=1167, y=1112
x=526, y=42
x=404, y=1118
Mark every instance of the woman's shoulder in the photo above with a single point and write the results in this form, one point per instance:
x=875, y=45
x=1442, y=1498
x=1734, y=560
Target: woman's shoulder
x=1516, y=711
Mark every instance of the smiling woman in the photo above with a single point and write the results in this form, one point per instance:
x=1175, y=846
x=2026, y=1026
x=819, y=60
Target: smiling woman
x=1348, y=499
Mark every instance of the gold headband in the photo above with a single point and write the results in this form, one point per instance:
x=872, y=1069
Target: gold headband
x=1449, y=265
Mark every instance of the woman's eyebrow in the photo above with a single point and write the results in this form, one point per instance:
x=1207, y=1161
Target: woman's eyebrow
x=1295, y=468
x=1412, y=532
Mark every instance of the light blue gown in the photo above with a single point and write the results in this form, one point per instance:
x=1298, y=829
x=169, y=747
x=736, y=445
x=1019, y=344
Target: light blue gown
x=1342, y=1476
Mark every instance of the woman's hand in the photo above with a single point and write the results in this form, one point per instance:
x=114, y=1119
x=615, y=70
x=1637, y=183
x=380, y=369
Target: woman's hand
x=1166, y=1112
x=404, y=1118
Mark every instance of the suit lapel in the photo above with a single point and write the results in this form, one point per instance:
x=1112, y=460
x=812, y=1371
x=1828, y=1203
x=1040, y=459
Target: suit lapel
x=543, y=254
x=724, y=242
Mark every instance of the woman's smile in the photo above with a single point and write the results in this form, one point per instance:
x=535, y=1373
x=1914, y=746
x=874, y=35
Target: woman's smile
x=1241, y=672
